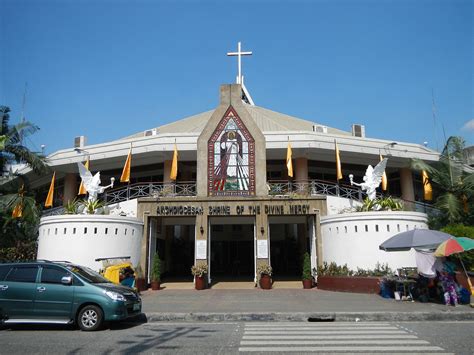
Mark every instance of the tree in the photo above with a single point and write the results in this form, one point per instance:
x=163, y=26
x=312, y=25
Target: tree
x=18, y=231
x=453, y=183
x=11, y=148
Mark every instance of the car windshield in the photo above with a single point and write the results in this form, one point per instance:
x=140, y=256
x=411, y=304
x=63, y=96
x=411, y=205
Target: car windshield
x=88, y=274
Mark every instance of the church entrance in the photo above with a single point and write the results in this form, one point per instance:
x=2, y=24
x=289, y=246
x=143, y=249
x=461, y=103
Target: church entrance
x=289, y=241
x=232, y=256
x=173, y=239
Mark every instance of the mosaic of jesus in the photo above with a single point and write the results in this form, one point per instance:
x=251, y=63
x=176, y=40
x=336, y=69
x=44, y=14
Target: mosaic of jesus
x=231, y=160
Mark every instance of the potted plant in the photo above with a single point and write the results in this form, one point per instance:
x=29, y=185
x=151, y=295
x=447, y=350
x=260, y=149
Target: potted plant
x=306, y=276
x=199, y=271
x=155, y=272
x=140, y=279
x=264, y=272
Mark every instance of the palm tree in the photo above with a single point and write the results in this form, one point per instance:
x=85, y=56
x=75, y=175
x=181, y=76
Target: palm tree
x=453, y=181
x=11, y=148
x=17, y=235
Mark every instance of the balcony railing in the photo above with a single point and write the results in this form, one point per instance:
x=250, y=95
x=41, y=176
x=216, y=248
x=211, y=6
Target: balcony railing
x=150, y=189
x=313, y=188
x=275, y=188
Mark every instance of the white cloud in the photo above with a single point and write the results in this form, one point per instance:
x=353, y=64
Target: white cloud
x=469, y=126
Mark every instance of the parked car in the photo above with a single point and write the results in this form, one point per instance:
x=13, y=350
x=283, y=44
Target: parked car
x=62, y=293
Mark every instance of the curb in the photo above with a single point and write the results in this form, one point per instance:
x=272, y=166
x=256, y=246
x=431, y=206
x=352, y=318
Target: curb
x=310, y=317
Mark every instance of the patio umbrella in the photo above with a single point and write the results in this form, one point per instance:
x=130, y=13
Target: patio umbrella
x=455, y=246
x=415, y=238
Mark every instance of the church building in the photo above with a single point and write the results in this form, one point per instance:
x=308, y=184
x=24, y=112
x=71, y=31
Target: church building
x=238, y=186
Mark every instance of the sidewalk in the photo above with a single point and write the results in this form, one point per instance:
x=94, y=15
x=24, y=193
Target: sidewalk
x=289, y=305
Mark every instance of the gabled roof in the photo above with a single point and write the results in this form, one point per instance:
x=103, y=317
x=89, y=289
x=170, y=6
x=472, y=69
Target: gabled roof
x=266, y=120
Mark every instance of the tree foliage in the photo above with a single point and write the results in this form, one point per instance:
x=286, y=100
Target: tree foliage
x=453, y=184
x=18, y=234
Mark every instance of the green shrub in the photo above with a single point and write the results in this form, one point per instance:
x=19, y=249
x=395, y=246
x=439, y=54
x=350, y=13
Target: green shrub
x=333, y=269
x=306, y=267
x=156, y=268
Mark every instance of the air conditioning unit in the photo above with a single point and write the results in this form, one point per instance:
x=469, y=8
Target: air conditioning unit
x=151, y=132
x=320, y=129
x=79, y=142
x=358, y=130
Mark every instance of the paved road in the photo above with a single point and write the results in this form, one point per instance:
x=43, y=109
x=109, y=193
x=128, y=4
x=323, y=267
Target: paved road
x=250, y=337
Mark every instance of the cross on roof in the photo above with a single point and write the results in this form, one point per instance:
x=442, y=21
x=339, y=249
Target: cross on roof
x=239, y=54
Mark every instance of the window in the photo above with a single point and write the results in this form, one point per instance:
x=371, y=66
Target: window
x=74, y=231
x=106, y=230
x=85, y=230
x=366, y=228
x=4, y=269
x=355, y=229
x=65, y=230
x=345, y=229
x=388, y=228
x=52, y=275
x=376, y=227
x=95, y=230
x=116, y=231
x=23, y=274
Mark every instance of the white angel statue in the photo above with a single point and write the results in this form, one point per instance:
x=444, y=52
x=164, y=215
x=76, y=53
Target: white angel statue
x=91, y=183
x=372, y=179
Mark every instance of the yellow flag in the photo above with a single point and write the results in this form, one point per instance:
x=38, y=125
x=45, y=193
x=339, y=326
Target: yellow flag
x=338, y=164
x=49, y=198
x=174, y=164
x=384, y=177
x=82, y=188
x=427, y=189
x=289, y=163
x=17, y=211
x=126, y=168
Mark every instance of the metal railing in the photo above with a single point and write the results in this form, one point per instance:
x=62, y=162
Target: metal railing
x=150, y=189
x=313, y=188
x=275, y=188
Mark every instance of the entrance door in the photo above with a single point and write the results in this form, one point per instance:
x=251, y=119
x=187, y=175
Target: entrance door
x=288, y=243
x=174, y=242
x=232, y=248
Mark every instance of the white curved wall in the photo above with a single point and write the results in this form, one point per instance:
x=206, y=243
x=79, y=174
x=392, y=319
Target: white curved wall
x=354, y=238
x=83, y=238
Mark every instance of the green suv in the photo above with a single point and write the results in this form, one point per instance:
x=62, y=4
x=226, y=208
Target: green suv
x=61, y=292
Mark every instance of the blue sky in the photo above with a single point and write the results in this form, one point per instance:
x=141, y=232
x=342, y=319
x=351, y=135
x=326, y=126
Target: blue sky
x=107, y=69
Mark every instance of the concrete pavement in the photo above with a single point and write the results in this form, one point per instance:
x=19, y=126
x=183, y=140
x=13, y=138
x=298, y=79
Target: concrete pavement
x=289, y=305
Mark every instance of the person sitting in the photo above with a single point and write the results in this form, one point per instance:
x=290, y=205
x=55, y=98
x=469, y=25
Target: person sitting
x=129, y=278
x=449, y=288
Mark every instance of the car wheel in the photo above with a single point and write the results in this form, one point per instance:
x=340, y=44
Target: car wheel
x=90, y=318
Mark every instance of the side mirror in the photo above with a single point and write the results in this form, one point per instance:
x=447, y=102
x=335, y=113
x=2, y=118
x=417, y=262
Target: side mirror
x=66, y=280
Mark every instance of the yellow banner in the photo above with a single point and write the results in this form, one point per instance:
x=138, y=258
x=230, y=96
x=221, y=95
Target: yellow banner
x=289, y=163
x=82, y=188
x=174, y=164
x=338, y=163
x=126, y=168
x=49, y=198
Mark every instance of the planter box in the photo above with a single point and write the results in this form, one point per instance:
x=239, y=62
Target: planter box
x=349, y=284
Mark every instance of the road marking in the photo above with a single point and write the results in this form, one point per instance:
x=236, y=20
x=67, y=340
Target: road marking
x=321, y=332
x=324, y=337
x=300, y=349
x=335, y=337
x=334, y=342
